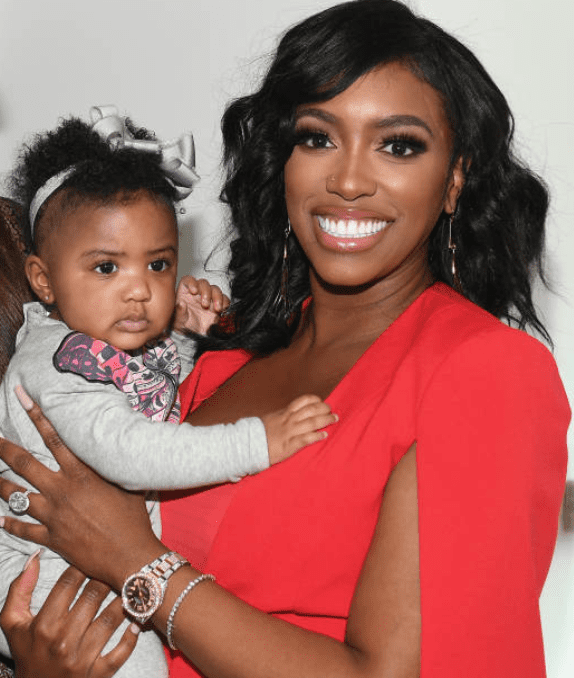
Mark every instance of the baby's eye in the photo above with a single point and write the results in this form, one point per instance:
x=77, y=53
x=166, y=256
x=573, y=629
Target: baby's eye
x=106, y=268
x=402, y=147
x=159, y=265
x=313, y=139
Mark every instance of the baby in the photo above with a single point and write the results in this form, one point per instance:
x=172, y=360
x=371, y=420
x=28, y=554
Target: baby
x=95, y=352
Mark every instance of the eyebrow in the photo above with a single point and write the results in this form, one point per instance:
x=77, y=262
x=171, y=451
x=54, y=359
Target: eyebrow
x=384, y=123
x=118, y=253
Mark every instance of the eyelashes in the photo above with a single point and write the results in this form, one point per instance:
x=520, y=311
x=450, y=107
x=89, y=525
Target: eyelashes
x=311, y=138
x=399, y=145
x=403, y=145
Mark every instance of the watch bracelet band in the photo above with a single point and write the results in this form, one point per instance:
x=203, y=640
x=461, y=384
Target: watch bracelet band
x=164, y=566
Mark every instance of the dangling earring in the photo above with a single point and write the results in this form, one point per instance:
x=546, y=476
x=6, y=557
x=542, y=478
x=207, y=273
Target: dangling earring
x=452, y=247
x=281, y=301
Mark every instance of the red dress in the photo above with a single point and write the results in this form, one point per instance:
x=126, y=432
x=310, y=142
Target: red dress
x=488, y=412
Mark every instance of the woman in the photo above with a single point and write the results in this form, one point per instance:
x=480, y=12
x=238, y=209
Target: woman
x=417, y=539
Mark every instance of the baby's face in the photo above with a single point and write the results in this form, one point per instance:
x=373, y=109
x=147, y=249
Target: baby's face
x=113, y=270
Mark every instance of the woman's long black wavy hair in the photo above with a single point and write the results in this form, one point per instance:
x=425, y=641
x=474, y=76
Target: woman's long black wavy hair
x=102, y=175
x=499, y=227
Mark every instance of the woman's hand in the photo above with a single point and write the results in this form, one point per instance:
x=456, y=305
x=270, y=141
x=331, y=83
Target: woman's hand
x=62, y=640
x=103, y=530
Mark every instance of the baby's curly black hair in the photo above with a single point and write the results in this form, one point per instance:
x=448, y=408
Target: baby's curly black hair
x=102, y=174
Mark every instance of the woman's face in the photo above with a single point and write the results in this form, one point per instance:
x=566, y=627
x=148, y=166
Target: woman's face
x=368, y=178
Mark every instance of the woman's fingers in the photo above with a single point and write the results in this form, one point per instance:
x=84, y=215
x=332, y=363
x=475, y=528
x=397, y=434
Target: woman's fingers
x=109, y=664
x=29, y=531
x=24, y=464
x=83, y=611
x=60, y=599
x=105, y=624
x=65, y=637
x=38, y=534
x=16, y=610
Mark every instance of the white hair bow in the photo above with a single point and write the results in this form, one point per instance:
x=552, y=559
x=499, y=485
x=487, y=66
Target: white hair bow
x=177, y=155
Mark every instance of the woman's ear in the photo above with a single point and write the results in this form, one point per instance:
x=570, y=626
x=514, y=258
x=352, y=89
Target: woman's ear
x=38, y=276
x=455, y=184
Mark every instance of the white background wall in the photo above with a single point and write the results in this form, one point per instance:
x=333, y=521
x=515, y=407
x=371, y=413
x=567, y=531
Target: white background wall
x=172, y=65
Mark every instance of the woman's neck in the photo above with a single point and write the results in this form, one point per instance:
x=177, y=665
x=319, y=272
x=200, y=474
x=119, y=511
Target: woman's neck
x=357, y=316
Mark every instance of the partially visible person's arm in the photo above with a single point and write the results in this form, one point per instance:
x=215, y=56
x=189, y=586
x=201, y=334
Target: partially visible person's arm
x=221, y=634
x=65, y=638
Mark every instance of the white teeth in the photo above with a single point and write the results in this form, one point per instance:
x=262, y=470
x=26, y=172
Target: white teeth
x=350, y=228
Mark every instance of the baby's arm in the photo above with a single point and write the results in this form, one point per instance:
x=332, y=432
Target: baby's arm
x=296, y=426
x=125, y=447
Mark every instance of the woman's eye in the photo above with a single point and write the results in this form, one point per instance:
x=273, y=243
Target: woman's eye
x=402, y=148
x=314, y=140
x=106, y=268
x=159, y=265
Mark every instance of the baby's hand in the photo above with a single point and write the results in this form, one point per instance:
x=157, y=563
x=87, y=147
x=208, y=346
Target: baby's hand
x=296, y=426
x=198, y=305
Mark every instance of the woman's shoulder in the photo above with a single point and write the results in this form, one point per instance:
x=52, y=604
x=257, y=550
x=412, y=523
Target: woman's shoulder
x=447, y=316
x=449, y=338
x=460, y=342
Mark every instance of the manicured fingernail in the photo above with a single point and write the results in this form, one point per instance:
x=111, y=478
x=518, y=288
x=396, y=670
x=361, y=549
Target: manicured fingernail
x=135, y=629
x=336, y=417
x=24, y=398
x=2, y=521
x=325, y=434
x=36, y=554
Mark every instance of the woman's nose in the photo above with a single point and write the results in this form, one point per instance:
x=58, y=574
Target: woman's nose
x=351, y=178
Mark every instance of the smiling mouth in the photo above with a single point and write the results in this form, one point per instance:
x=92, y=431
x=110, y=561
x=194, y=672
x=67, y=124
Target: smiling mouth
x=351, y=228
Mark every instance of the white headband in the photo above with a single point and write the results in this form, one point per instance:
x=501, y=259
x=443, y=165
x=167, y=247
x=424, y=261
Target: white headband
x=177, y=157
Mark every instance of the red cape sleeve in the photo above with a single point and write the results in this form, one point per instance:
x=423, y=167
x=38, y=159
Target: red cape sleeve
x=491, y=464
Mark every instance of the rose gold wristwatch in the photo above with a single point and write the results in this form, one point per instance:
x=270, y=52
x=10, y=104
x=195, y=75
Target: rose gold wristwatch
x=142, y=592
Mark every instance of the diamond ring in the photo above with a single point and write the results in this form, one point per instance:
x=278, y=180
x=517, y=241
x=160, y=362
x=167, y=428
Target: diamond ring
x=18, y=502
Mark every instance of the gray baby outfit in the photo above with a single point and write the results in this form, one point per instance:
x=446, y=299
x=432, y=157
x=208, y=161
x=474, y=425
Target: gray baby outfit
x=95, y=419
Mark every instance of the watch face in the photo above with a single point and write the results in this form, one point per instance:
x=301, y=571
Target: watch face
x=141, y=595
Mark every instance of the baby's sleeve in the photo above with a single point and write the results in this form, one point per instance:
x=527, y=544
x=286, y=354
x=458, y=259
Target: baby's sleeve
x=97, y=423
x=491, y=465
x=186, y=352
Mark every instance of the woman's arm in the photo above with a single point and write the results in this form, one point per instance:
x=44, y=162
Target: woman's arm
x=218, y=632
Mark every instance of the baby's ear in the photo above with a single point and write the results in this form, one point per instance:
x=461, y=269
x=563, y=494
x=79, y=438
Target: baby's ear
x=39, y=279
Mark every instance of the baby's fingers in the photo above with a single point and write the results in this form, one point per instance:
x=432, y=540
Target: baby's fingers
x=303, y=401
x=301, y=440
x=189, y=283
x=219, y=301
x=209, y=293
